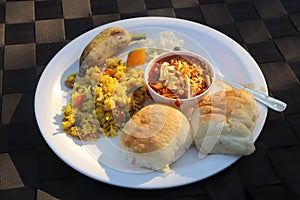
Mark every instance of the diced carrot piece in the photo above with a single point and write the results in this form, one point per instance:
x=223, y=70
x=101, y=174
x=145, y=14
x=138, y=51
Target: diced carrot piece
x=109, y=71
x=78, y=101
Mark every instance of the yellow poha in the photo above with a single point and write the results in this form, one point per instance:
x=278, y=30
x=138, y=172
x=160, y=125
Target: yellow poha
x=103, y=101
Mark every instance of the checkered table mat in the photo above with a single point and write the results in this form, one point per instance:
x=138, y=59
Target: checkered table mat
x=32, y=32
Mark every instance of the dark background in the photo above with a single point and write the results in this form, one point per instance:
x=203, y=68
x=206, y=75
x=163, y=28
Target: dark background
x=32, y=32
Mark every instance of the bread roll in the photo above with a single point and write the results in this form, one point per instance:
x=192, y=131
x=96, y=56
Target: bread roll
x=226, y=122
x=156, y=136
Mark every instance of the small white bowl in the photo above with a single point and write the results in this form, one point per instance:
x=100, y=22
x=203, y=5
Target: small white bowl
x=185, y=103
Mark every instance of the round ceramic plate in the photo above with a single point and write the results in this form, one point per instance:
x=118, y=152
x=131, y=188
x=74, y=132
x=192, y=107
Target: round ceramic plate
x=51, y=96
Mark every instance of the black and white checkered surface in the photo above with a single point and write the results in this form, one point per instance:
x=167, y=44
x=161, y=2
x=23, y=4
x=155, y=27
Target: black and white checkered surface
x=32, y=32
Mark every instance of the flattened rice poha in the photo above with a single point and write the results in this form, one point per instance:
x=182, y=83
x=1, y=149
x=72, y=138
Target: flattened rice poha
x=103, y=101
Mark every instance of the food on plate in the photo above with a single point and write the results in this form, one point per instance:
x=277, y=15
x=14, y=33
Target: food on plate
x=136, y=57
x=165, y=40
x=105, y=45
x=227, y=120
x=156, y=136
x=179, y=75
x=103, y=101
x=109, y=96
x=70, y=80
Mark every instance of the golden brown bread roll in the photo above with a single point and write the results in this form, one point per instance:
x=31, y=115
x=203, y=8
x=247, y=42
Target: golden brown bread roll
x=156, y=136
x=226, y=122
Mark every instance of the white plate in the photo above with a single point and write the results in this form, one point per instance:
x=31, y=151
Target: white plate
x=232, y=60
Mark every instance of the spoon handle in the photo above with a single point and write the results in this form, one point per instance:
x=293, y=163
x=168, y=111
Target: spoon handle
x=271, y=102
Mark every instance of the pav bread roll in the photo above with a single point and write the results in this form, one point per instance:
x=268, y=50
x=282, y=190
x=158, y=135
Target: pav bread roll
x=156, y=136
x=226, y=122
